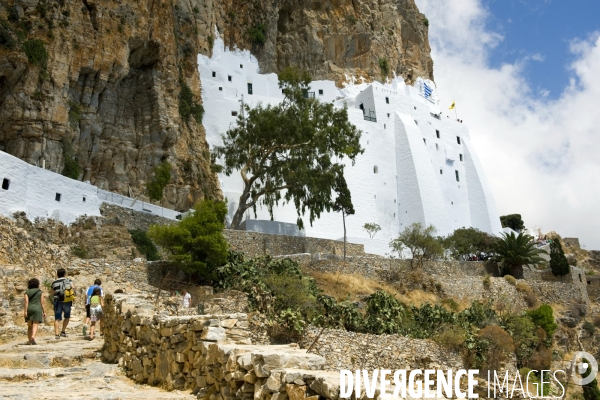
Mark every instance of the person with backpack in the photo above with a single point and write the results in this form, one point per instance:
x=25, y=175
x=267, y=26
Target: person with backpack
x=35, y=312
x=88, y=296
x=96, y=304
x=64, y=296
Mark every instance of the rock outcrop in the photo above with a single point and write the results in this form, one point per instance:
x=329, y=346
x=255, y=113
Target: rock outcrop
x=113, y=86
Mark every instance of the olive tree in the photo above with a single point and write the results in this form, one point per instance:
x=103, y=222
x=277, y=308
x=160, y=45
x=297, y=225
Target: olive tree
x=421, y=242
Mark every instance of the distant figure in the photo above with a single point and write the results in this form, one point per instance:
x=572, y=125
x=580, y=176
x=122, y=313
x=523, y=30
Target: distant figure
x=34, y=309
x=187, y=299
x=88, y=296
x=96, y=304
x=64, y=296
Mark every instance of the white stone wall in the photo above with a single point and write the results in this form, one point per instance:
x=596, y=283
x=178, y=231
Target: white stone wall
x=34, y=190
x=396, y=181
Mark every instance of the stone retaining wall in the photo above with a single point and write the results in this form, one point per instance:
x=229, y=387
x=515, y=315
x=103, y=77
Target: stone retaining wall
x=350, y=350
x=257, y=244
x=210, y=355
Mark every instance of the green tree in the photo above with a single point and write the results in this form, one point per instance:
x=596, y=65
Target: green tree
x=71, y=168
x=144, y=244
x=543, y=317
x=421, y=242
x=343, y=203
x=466, y=241
x=295, y=146
x=372, y=229
x=196, y=244
x=162, y=177
x=558, y=261
x=512, y=221
x=513, y=251
x=188, y=104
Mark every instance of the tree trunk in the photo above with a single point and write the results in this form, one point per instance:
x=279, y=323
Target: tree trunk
x=239, y=214
x=517, y=272
x=344, y=219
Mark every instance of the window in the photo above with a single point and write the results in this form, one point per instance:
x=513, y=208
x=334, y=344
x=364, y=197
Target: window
x=388, y=115
x=214, y=74
x=84, y=199
x=416, y=122
x=241, y=65
x=221, y=88
x=437, y=147
x=441, y=171
x=437, y=133
x=5, y=184
x=375, y=169
x=57, y=197
x=384, y=127
x=387, y=100
x=320, y=92
x=249, y=88
x=394, y=201
x=424, y=141
x=457, y=177
x=394, y=215
x=460, y=156
x=458, y=139
x=229, y=78
x=234, y=113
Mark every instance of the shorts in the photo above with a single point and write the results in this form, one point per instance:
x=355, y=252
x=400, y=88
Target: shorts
x=60, y=308
x=87, y=311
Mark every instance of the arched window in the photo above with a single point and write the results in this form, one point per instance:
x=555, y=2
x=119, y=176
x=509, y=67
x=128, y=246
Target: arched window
x=375, y=169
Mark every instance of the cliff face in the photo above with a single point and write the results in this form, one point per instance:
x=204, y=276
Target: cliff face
x=108, y=94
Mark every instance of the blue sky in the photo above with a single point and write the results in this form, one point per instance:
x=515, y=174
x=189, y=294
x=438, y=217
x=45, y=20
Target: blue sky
x=539, y=152
x=538, y=34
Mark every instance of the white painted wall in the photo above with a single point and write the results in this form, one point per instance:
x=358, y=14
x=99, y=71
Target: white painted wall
x=405, y=187
x=34, y=190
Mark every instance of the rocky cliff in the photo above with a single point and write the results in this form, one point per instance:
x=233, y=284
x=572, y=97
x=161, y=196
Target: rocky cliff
x=105, y=90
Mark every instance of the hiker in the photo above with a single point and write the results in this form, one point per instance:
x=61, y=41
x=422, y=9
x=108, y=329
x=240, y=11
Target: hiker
x=64, y=296
x=34, y=309
x=88, y=296
x=187, y=299
x=96, y=304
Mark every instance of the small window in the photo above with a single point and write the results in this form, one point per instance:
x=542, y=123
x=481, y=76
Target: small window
x=375, y=169
x=229, y=78
x=5, y=184
x=441, y=171
x=415, y=108
x=234, y=113
x=437, y=147
x=84, y=199
x=214, y=74
x=416, y=122
x=221, y=88
x=394, y=201
x=249, y=88
x=457, y=177
x=242, y=66
x=460, y=156
x=424, y=141
x=388, y=115
x=437, y=133
x=384, y=127
x=375, y=196
x=387, y=100
x=458, y=139
x=57, y=197
x=394, y=215
x=320, y=92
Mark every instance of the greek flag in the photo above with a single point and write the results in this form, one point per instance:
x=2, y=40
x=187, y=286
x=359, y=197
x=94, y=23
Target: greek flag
x=427, y=90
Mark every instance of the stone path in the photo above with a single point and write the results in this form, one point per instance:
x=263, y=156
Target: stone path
x=69, y=368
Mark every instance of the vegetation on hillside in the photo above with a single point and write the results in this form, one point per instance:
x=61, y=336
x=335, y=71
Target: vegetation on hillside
x=291, y=152
x=144, y=244
x=558, y=261
x=512, y=221
x=512, y=252
x=421, y=243
x=162, y=177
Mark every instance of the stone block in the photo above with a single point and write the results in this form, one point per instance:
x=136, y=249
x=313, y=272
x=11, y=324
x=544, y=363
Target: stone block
x=295, y=392
x=228, y=323
x=214, y=334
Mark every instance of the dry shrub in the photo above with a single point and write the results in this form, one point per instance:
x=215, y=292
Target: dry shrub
x=523, y=287
x=349, y=286
x=487, y=282
x=531, y=300
x=451, y=304
x=501, y=345
x=450, y=336
x=541, y=359
x=510, y=279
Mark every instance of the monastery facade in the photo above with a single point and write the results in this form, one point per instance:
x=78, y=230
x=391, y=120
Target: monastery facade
x=419, y=164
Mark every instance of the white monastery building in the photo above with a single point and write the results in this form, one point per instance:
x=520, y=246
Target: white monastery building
x=419, y=164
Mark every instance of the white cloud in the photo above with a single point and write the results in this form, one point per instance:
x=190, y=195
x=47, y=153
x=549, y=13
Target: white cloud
x=542, y=156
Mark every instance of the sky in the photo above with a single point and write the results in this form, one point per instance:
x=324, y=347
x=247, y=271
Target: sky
x=525, y=75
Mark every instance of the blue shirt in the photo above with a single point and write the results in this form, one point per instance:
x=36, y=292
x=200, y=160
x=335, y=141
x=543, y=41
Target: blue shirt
x=90, y=291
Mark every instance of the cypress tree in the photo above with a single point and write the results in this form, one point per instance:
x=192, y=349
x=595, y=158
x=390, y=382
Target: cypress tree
x=558, y=261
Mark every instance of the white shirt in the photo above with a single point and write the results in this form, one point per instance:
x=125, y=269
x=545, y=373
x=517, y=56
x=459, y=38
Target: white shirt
x=187, y=298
